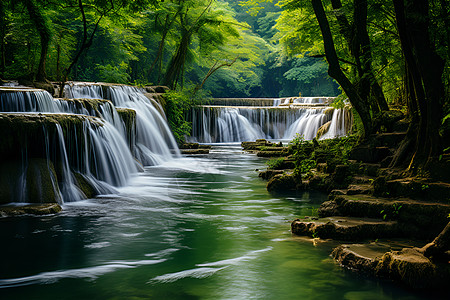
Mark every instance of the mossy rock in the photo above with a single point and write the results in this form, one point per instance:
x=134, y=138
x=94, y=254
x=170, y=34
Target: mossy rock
x=323, y=129
x=84, y=185
x=128, y=117
x=34, y=209
x=282, y=183
x=35, y=182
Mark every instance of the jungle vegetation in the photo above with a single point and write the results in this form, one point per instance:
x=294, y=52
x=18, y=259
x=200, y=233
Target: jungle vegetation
x=382, y=54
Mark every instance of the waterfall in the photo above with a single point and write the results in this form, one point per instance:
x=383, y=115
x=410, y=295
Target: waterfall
x=307, y=125
x=283, y=119
x=155, y=143
x=340, y=124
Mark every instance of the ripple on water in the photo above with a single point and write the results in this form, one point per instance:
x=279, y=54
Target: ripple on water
x=89, y=273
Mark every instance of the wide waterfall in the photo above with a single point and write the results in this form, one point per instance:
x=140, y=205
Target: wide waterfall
x=280, y=119
x=65, y=150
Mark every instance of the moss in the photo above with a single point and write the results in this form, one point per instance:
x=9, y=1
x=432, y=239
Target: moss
x=41, y=209
x=282, y=183
x=32, y=182
x=128, y=116
x=84, y=185
x=323, y=129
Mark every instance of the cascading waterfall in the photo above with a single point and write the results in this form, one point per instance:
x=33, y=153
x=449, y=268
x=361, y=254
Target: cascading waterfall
x=284, y=120
x=155, y=143
x=91, y=146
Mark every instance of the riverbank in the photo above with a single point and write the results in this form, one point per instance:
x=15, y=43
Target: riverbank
x=369, y=202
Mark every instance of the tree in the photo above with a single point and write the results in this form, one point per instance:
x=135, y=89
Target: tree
x=42, y=25
x=426, y=93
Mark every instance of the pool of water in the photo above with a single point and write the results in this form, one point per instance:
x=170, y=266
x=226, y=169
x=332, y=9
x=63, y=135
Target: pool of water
x=195, y=228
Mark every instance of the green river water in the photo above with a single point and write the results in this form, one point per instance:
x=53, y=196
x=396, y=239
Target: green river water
x=196, y=228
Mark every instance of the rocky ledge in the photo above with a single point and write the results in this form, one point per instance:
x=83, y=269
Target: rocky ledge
x=194, y=148
x=31, y=209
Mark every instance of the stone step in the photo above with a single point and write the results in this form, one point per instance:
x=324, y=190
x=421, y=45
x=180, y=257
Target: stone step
x=355, y=189
x=361, y=179
x=420, y=219
x=413, y=188
x=408, y=265
x=346, y=228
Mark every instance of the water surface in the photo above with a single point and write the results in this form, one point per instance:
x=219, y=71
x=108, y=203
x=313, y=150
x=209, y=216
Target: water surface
x=195, y=228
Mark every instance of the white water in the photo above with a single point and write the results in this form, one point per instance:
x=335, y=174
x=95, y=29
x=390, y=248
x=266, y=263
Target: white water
x=282, y=121
x=99, y=153
x=155, y=143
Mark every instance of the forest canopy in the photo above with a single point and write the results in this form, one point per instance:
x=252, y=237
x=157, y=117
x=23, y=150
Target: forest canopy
x=230, y=48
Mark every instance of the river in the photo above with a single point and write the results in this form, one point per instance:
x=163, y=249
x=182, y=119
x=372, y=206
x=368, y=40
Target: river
x=194, y=228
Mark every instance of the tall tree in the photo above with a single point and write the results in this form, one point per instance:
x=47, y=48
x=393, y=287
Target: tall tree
x=335, y=70
x=425, y=68
x=42, y=25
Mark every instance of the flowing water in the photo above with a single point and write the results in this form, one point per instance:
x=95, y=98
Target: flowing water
x=194, y=228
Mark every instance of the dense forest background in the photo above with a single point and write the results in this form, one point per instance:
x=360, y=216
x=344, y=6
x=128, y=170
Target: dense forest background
x=174, y=43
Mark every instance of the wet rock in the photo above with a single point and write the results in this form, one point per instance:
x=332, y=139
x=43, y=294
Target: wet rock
x=34, y=182
x=194, y=151
x=323, y=129
x=418, y=219
x=35, y=209
x=128, y=117
x=346, y=228
x=410, y=267
x=85, y=185
x=268, y=174
x=161, y=89
x=48, y=86
x=282, y=183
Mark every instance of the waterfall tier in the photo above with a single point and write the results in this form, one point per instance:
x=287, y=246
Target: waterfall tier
x=224, y=121
x=64, y=150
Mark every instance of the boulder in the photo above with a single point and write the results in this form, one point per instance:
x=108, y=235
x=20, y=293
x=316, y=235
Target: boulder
x=282, y=183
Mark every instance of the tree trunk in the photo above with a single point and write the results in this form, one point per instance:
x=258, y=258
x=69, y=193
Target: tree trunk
x=2, y=39
x=334, y=69
x=425, y=69
x=43, y=29
x=176, y=64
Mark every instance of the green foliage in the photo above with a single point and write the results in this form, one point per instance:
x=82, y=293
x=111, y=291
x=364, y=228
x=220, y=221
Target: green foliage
x=178, y=104
x=393, y=213
x=275, y=163
x=114, y=74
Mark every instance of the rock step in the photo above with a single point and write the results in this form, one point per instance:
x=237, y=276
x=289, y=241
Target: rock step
x=355, y=189
x=346, y=228
x=361, y=179
x=408, y=265
x=413, y=188
x=370, y=154
x=420, y=219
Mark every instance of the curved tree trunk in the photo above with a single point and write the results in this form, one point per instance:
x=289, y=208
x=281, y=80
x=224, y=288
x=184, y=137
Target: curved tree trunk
x=334, y=69
x=41, y=24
